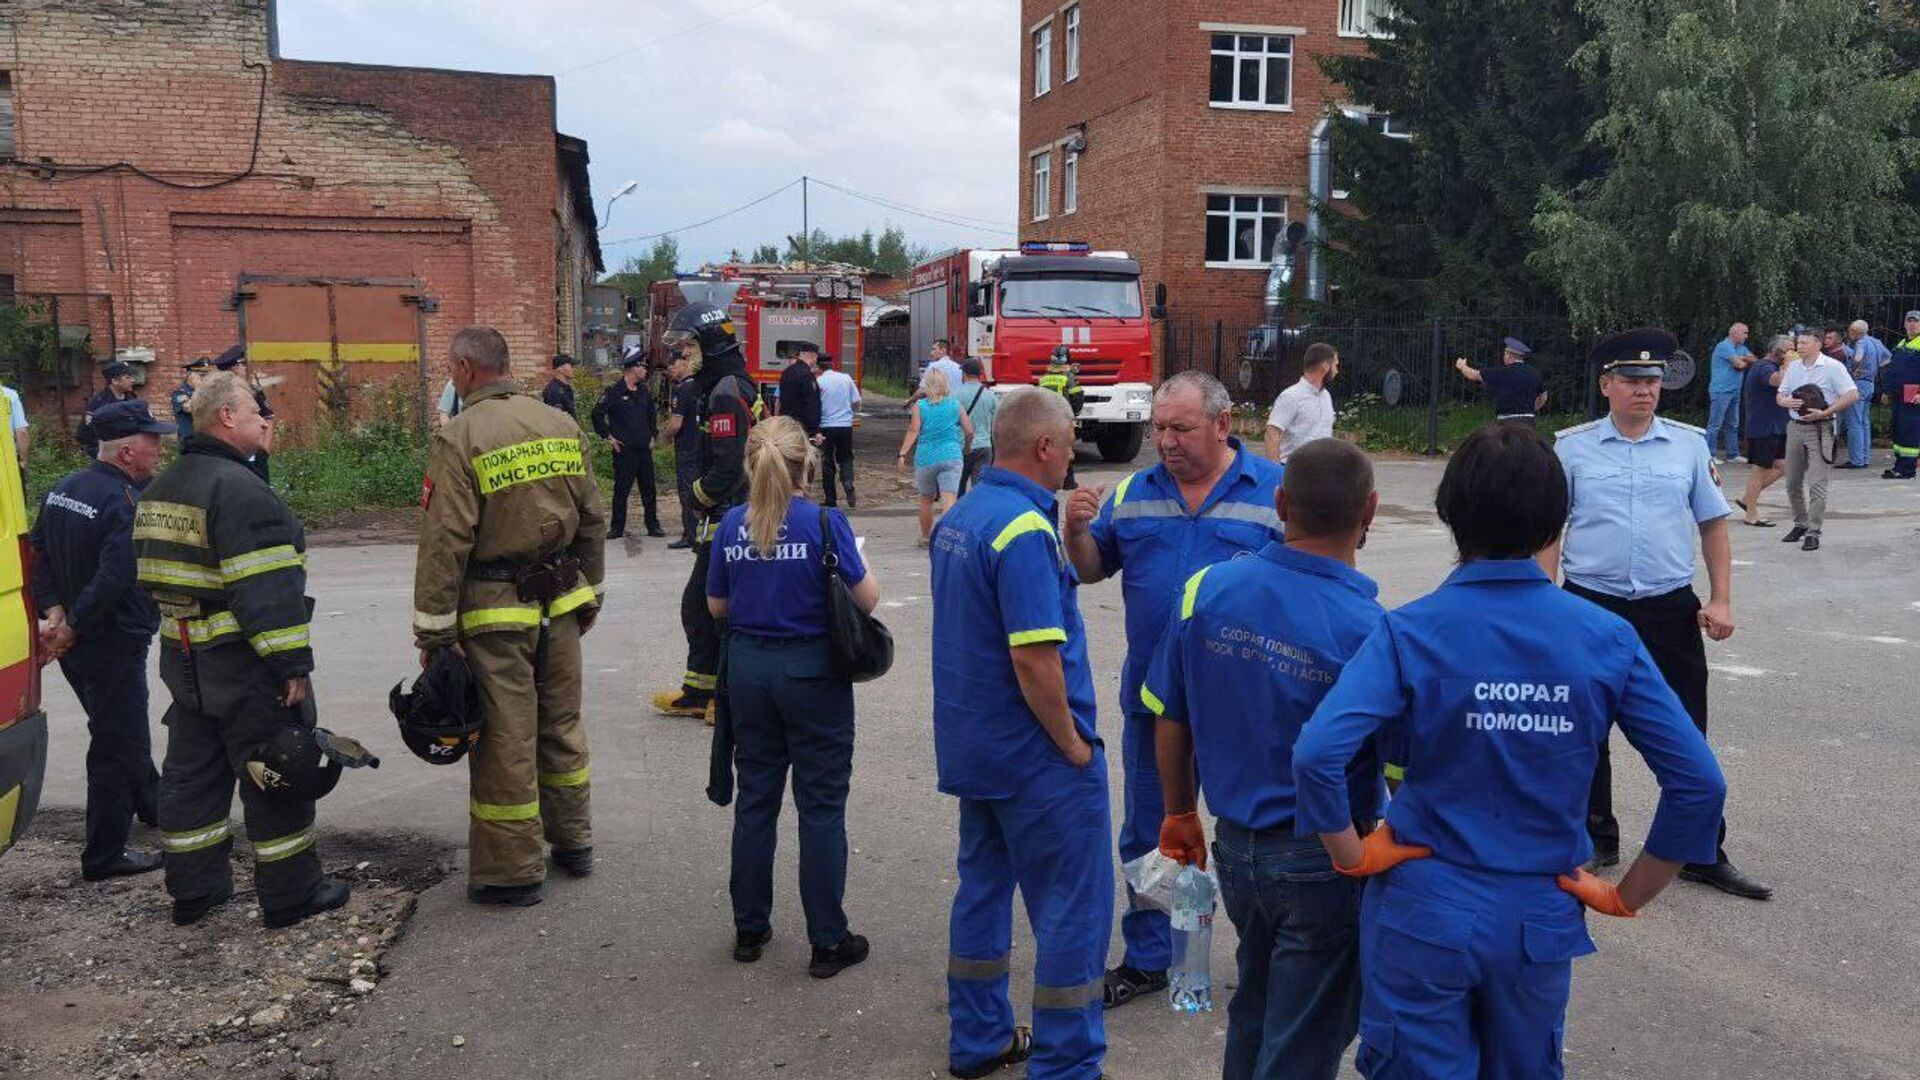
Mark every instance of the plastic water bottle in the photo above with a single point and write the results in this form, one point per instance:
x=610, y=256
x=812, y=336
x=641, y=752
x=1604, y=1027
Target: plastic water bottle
x=1190, y=980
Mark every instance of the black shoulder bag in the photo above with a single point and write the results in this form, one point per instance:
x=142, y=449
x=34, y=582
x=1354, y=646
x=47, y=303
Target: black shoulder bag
x=862, y=645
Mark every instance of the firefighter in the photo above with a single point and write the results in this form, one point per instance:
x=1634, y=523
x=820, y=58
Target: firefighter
x=1063, y=378
x=225, y=561
x=509, y=574
x=235, y=360
x=1901, y=384
x=119, y=376
x=703, y=335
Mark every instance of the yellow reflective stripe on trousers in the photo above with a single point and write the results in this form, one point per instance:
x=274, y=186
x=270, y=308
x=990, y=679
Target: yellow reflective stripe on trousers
x=1035, y=637
x=480, y=618
x=212, y=628
x=495, y=812
x=175, y=572
x=283, y=847
x=265, y=560
x=1031, y=521
x=697, y=681
x=1192, y=590
x=566, y=602
x=576, y=778
x=279, y=641
x=198, y=839
x=526, y=462
x=1152, y=701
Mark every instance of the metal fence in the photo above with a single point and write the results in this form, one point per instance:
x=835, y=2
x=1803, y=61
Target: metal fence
x=889, y=354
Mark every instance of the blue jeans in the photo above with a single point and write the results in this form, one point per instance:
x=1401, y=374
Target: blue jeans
x=1723, y=418
x=790, y=708
x=1298, y=1005
x=1859, y=426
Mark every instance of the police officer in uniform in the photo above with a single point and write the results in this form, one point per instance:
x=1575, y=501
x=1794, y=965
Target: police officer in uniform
x=235, y=361
x=624, y=417
x=182, y=396
x=99, y=626
x=1641, y=487
x=703, y=335
x=1517, y=390
x=1209, y=499
x=1014, y=739
x=119, y=376
x=683, y=428
x=1503, y=689
x=225, y=560
x=509, y=572
x=559, y=388
x=1901, y=384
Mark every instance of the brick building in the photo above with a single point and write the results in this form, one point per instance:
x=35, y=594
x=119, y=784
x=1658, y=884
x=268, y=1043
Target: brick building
x=1181, y=131
x=176, y=185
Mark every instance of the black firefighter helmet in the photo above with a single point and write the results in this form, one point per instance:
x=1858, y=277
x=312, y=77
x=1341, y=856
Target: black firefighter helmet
x=708, y=324
x=301, y=764
x=440, y=718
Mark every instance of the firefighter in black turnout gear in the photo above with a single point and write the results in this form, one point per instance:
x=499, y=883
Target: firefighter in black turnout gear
x=225, y=560
x=703, y=335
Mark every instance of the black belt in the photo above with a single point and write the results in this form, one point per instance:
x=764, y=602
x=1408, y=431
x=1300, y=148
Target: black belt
x=508, y=572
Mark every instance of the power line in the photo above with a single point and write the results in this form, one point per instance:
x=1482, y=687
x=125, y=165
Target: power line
x=945, y=217
x=788, y=186
x=668, y=37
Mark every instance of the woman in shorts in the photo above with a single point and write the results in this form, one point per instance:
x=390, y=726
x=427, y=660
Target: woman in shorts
x=937, y=429
x=1765, y=422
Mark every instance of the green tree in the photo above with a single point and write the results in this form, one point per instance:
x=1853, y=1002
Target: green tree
x=660, y=262
x=1759, y=149
x=1442, y=221
x=765, y=253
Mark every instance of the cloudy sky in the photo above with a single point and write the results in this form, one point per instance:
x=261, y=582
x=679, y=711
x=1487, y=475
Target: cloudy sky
x=711, y=104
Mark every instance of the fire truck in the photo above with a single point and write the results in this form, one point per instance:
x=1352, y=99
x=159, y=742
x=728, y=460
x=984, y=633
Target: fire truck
x=1011, y=309
x=776, y=310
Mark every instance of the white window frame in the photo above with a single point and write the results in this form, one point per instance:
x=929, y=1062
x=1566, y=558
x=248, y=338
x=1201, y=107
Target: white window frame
x=1043, y=58
x=1070, y=183
x=1235, y=215
x=1361, y=18
x=1040, y=167
x=1070, y=19
x=1259, y=104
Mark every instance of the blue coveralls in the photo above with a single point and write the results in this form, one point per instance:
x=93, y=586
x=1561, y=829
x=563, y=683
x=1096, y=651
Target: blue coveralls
x=1027, y=816
x=1902, y=372
x=1146, y=534
x=1507, y=686
x=1256, y=644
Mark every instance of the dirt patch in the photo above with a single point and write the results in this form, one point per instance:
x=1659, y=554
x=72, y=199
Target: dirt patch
x=96, y=982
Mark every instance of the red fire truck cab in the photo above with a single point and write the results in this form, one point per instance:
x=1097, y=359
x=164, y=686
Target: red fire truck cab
x=1012, y=309
x=776, y=310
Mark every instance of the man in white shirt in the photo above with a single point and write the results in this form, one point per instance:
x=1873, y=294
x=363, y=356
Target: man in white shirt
x=17, y=414
x=1812, y=443
x=943, y=362
x=1304, y=411
x=838, y=398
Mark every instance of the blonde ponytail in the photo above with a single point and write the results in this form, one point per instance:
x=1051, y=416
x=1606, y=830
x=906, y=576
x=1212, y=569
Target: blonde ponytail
x=779, y=466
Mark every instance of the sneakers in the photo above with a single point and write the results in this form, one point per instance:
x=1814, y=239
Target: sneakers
x=329, y=894
x=576, y=862
x=682, y=703
x=508, y=895
x=832, y=961
x=748, y=944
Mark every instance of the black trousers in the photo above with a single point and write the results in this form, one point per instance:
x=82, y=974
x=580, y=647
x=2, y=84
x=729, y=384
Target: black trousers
x=225, y=703
x=684, y=474
x=703, y=637
x=972, y=464
x=109, y=676
x=628, y=466
x=1668, y=627
x=836, y=461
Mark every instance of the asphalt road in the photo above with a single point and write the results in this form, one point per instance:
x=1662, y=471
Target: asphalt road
x=628, y=973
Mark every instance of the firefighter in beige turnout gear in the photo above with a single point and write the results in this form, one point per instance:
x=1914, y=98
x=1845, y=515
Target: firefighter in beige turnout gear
x=509, y=572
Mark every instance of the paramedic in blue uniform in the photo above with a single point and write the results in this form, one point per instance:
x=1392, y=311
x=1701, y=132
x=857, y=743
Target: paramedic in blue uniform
x=99, y=627
x=1013, y=735
x=1505, y=688
x=1206, y=501
x=1641, y=486
x=1256, y=644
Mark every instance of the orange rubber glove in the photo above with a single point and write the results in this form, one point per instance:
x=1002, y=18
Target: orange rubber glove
x=1597, y=893
x=1183, y=839
x=1379, y=853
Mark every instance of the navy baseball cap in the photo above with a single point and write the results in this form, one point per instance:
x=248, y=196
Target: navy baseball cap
x=124, y=418
x=1517, y=347
x=1640, y=353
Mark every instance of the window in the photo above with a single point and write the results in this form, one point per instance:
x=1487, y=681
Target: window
x=1073, y=44
x=6, y=116
x=1043, y=60
x=1042, y=185
x=1243, y=229
x=1096, y=296
x=1070, y=183
x=1362, y=18
x=1252, y=71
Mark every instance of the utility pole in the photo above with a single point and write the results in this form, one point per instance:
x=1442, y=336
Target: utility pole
x=806, y=227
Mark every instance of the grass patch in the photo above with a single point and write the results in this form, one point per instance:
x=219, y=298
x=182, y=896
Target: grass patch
x=885, y=386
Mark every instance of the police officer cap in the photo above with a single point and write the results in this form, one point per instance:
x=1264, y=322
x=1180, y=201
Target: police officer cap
x=634, y=359
x=561, y=360
x=234, y=355
x=199, y=363
x=1640, y=353
x=114, y=369
x=124, y=418
x=1517, y=347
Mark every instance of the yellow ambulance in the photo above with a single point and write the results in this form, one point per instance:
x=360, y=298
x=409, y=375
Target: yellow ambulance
x=23, y=726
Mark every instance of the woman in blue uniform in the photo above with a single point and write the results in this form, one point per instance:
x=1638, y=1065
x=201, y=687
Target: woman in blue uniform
x=1506, y=686
x=789, y=707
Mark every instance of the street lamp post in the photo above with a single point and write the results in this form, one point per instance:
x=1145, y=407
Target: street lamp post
x=625, y=190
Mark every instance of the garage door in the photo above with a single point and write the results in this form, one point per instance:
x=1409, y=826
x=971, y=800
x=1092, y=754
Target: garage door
x=343, y=351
